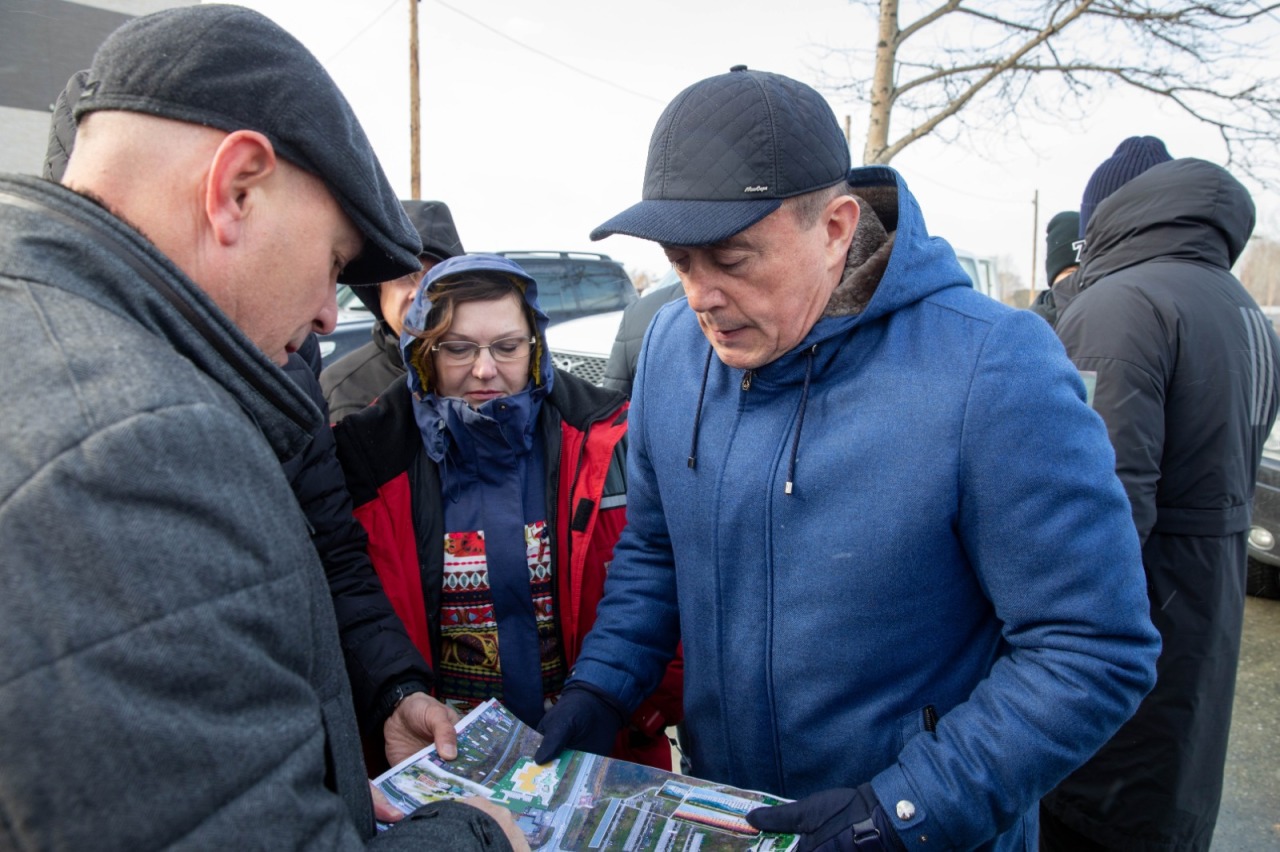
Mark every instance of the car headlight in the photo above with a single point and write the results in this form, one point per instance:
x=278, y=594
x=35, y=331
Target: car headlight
x=1261, y=539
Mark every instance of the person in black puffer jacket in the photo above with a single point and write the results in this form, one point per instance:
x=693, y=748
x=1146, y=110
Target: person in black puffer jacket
x=1186, y=367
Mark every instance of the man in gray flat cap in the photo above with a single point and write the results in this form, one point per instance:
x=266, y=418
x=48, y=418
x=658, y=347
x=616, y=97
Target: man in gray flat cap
x=172, y=673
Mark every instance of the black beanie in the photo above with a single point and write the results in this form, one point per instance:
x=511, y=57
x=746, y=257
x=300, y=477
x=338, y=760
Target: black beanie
x=1133, y=157
x=1060, y=243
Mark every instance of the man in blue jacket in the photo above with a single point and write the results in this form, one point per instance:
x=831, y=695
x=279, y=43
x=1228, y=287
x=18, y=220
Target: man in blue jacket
x=896, y=607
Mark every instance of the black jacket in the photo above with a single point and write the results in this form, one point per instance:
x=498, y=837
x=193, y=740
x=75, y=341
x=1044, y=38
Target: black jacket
x=1186, y=369
x=375, y=647
x=358, y=378
x=620, y=372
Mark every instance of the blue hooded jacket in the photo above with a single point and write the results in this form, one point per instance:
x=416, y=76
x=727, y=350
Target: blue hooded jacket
x=902, y=554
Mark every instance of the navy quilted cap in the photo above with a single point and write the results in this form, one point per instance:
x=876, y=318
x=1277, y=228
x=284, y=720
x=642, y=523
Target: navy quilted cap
x=726, y=152
x=231, y=68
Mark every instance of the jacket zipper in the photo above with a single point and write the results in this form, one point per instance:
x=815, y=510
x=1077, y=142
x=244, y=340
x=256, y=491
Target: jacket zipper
x=746, y=379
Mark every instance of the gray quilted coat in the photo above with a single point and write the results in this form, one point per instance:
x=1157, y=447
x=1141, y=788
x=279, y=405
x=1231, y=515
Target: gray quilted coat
x=171, y=673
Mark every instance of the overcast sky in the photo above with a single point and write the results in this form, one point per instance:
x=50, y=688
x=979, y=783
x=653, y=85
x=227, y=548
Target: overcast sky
x=537, y=115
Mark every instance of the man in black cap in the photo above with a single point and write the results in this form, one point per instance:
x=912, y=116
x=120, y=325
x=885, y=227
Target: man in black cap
x=172, y=673
x=1062, y=246
x=356, y=379
x=1062, y=249
x=893, y=607
x=1186, y=369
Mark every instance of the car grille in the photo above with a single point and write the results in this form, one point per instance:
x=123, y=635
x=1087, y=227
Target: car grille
x=587, y=367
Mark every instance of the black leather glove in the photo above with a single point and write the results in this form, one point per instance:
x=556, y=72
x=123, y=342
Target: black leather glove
x=585, y=718
x=839, y=820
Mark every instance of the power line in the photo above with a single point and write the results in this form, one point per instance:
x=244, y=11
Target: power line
x=546, y=55
x=364, y=30
x=916, y=175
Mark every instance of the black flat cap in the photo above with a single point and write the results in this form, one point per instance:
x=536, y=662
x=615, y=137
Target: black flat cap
x=231, y=68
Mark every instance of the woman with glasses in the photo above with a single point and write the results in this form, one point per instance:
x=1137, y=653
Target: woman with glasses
x=493, y=489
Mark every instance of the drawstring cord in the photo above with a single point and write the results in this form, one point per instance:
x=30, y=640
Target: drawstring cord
x=804, y=399
x=697, y=414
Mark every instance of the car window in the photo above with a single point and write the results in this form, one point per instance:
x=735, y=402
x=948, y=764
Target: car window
x=347, y=300
x=571, y=287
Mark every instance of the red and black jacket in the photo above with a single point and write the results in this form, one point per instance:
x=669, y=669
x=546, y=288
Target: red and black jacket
x=396, y=491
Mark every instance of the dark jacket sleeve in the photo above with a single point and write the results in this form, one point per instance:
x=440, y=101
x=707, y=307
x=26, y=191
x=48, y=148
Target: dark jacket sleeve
x=1116, y=335
x=356, y=379
x=1045, y=307
x=377, y=650
x=444, y=825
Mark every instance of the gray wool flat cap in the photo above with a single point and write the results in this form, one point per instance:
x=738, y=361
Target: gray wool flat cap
x=232, y=68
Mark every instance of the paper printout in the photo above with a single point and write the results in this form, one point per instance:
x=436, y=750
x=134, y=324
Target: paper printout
x=580, y=801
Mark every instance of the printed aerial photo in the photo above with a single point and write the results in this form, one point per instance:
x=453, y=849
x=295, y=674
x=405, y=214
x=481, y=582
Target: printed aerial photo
x=580, y=801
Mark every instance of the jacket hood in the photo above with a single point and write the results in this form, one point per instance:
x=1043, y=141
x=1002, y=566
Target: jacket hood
x=892, y=262
x=491, y=264
x=62, y=128
x=907, y=266
x=440, y=241
x=1187, y=209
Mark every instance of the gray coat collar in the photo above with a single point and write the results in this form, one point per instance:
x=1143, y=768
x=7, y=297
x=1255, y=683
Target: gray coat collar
x=123, y=272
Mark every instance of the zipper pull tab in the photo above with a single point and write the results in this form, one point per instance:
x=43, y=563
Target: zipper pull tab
x=746, y=379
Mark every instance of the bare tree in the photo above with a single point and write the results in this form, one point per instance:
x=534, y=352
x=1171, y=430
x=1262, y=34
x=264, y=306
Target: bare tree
x=1010, y=285
x=1006, y=60
x=1259, y=270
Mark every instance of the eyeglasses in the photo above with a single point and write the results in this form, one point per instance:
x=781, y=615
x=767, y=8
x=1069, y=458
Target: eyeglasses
x=462, y=352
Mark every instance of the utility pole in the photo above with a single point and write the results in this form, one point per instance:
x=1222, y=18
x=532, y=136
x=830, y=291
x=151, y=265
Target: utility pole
x=415, y=129
x=1035, y=239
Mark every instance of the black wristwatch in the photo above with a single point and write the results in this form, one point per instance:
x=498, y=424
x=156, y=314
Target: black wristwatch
x=394, y=695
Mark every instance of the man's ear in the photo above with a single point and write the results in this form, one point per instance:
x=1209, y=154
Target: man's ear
x=240, y=166
x=841, y=218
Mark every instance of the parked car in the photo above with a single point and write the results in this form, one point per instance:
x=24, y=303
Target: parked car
x=582, y=346
x=352, y=330
x=574, y=284
x=1264, y=535
x=982, y=270
x=571, y=284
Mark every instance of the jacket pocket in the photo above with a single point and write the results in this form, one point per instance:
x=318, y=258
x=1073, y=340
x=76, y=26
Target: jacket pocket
x=921, y=721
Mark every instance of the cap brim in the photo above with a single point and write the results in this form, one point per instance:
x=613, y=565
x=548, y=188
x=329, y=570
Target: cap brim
x=383, y=259
x=687, y=223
